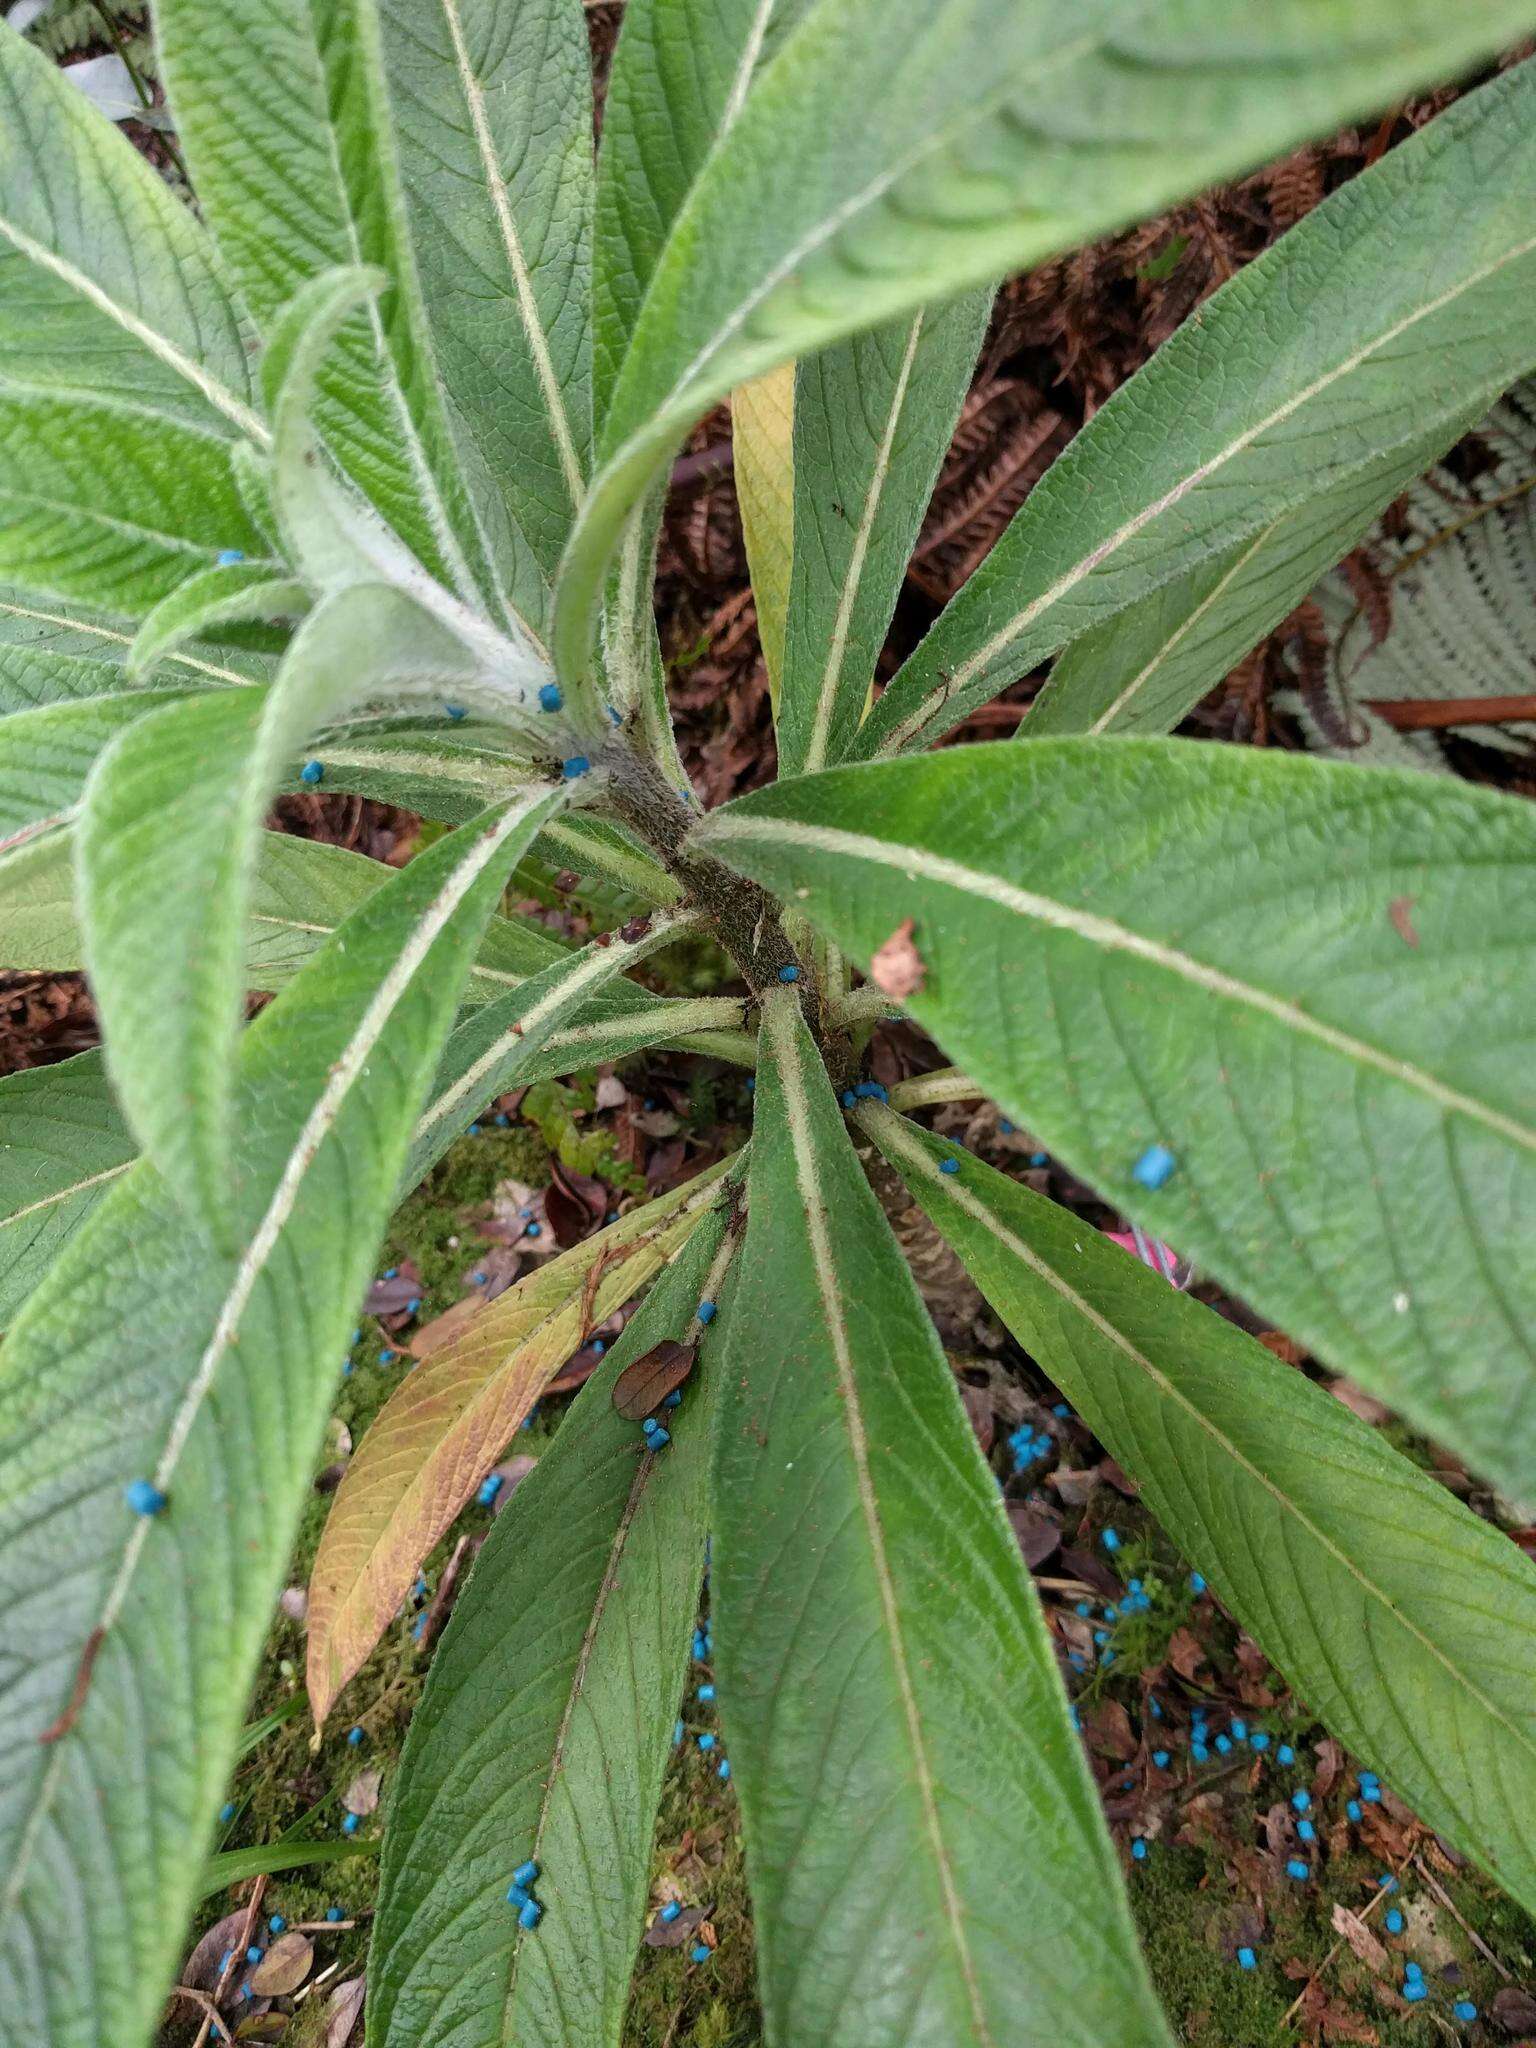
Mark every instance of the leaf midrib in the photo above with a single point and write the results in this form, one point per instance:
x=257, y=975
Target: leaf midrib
x=780, y=1016
x=890, y=1131
x=918, y=862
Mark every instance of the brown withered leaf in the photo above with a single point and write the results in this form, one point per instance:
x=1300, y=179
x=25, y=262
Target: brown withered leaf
x=201, y=1969
x=1186, y=1653
x=1107, y=1727
x=1039, y=1537
x=284, y=1967
x=574, y=1205
x=673, y=1933
x=1361, y=1940
x=343, y=2010
x=897, y=968
x=641, y=1387
x=1514, y=2010
x=362, y=1795
x=388, y=1297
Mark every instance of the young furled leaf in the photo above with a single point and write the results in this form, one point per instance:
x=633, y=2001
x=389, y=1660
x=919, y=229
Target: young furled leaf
x=1256, y=1021
x=1405, y=1621
x=148, y=1355
x=876, y=1633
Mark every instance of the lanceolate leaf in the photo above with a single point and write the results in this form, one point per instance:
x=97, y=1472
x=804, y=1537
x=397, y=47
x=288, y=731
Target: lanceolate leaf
x=228, y=593
x=167, y=844
x=278, y=109
x=927, y=1855
x=1007, y=130
x=1315, y=418
x=873, y=419
x=448, y=1422
x=149, y=1354
x=546, y=1724
x=51, y=653
x=680, y=78
x=63, y=1142
x=1261, y=963
x=763, y=458
x=46, y=756
x=1406, y=1622
x=1147, y=666
x=493, y=112
x=107, y=283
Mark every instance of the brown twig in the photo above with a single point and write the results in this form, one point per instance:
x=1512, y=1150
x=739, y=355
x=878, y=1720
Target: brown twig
x=81, y=1687
x=237, y=1949
x=1471, y=1933
x=1296, y=2004
x=1436, y=714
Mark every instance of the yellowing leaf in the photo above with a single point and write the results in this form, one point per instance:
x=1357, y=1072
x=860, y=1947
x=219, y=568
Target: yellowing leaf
x=763, y=436
x=449, y=1420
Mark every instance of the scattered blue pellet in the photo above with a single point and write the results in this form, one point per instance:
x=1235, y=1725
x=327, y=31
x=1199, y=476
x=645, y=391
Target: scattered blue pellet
x=1285, y=1754
x=456, y=711
x=526, y=1873
x=1160, y=1758
x=144, y=1497
x=1301, y=1801
x=1298, y=1869
x=551, y=697
x=534, y=1230
x=413, y=1306
x=347, y=1368
x=1371, y=1794
x=490, y=1486
x=1259, y=1739
x=678, y=1732
x=1004, y=1127
x=1413, y=1971
x=674, y=1399
x=725, y=1768
x=699, y=1952
x=706, y=1743
x=1039, y=1158
x=1101, y=1636
x=227, y=1812
x=390, y=1273
x=1464, y=2009
x=1197, y=1583
x=1305, y=1831
x=276, y=1924
x=1139, y=1850
x=1085, y=1608
x=354, y=1737
x=312, y=772
x=1246, y=1959
x=949, y=1166
x=228, y=557
x=1353, y=1810
x=349, y=1825
x=531, y=1914
x=1155, y=1168
x=700, y=1648
x=1239, y=1728
x=1110, y=1539
x=789, y=972
x=501, y=1119
x=1199, y=1752
x=573, y=769
x=669, y=1912
x=386, y=1356
x=614, y=717
x=1415, y=1991
x=1395, y=1920
x=706, y=1693
x=849, y=1098
x=1223, y=1745
x=707, y=1311
x=1063, y=1411
x=872, y=1091
x=253, y=1955
x=1387, y=1882
x=334, y=1913
x=225, y=1960
x=599, y=1346
x=1369, y=1778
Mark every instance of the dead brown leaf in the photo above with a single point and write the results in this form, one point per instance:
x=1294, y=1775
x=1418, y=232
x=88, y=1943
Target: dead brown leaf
x=897, y=968
x=1186, y=1653
x=642, y=1387
x=362, y=1795
x=343, y=2010
x=1361, y=1940
x=284, y=1967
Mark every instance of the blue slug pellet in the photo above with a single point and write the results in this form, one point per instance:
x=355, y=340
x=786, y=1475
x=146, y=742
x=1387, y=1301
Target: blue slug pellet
x=456, y=711
x=1155, y=1168
x=1111, y=1539
x=1413, y=1971
x=678, y=1732
x=354, y=1737
x=949, y=1166
x=700, y=1952
x=227, y=1812
x=1197, y=1583
x=1160, y=1758
x=706, y=1743
x=706, y=1693
x=1139, y=1850
x=228, y=557
x=674, y=1399
x=1305, y=1832
x=531, y=1914
x=725, y=1768
x=669, y=1912
x=551, y=698
x=707, y=1311
x=1354, y=1811
x=1285, y=1754
x=1395, y=1921
x=1246, y=1959
x=1415, y=1991
x=350, y=1824
x=573, y=769
x=312, y=772
x=253, y=1955
x=276, y=1924
x=490, y=1486
x=789, y=972
x=526, y=1873
x=334, y=1913
x=144, y=1497
x=1259, y=1739
x=1298, y=1869
x=659, y=1439
x=1465, y=2010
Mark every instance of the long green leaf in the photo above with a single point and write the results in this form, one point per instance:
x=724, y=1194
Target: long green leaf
x=1313, y=985
x=109, y=503
x=1007, y=130
x=547, y=1720
x=280, y=111
x=874, y=417
x=763, y=463
x=928, y=1859
x=108, y=285
x=46, y=756
x=1406, y=1622
x=492, y=105
x=167, y=846
x=1278, y=406
x=148, y=1353
x=63, y=1143
x=51, y=653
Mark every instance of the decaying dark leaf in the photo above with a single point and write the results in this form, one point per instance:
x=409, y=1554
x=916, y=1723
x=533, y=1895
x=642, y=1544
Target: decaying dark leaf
x=343, y=2011
x=362, y=1795
x=1039, y=1537
x=201, y=1969
x=897, y=968
x=574, y=1205
x=642, y=1387
x=673, y=1933
x=284, y=1967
